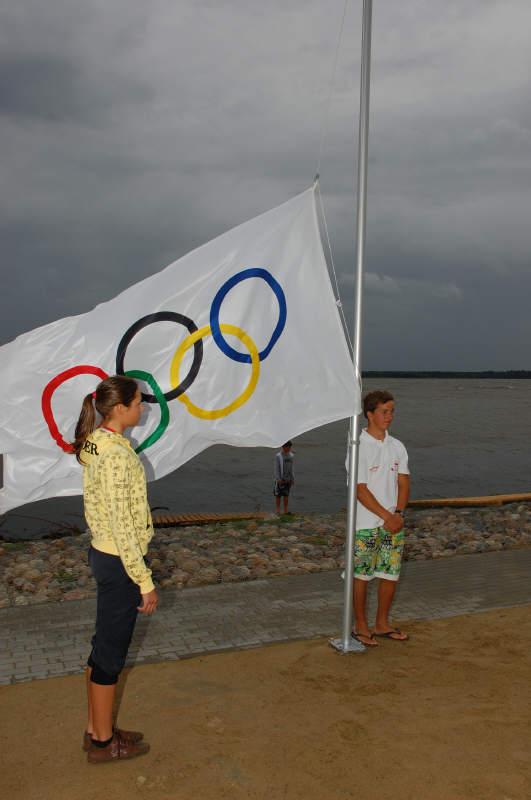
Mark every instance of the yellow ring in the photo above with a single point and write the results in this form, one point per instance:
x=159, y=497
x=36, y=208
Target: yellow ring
x=216, y=413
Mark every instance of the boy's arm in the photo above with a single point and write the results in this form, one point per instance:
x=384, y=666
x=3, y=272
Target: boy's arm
x=392, y=522
x=403, y=492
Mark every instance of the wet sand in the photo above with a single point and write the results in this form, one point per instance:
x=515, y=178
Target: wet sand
x=443, y=717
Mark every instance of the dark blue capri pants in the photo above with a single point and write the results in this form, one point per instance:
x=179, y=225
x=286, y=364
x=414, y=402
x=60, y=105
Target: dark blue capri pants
x=117, y=601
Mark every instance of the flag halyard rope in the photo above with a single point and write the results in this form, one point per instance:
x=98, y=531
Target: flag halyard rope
x=337, y=293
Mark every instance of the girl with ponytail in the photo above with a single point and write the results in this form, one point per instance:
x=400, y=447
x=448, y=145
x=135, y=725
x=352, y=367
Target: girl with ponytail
x=118, y=515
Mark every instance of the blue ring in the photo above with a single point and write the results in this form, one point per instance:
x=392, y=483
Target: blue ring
x=252, y=272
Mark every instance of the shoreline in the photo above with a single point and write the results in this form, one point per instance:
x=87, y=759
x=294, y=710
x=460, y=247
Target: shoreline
x=56, y=570
x=187, y=519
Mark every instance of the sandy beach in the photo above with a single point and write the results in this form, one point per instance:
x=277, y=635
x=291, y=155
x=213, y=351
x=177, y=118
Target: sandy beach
x=444, y=717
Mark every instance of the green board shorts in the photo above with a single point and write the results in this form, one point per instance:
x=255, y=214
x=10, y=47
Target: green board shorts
x=378, y=554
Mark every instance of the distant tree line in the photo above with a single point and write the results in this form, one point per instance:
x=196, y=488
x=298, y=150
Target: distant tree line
x=511, y=374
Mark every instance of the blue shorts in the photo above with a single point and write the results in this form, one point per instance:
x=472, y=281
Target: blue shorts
x=281, y=488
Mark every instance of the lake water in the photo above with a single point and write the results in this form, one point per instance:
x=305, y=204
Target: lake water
x=464, y=437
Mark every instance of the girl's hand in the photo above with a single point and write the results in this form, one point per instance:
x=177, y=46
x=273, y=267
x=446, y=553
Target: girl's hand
x=149, y=602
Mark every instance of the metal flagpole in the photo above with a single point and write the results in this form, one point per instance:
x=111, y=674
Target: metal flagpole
x=347, y=644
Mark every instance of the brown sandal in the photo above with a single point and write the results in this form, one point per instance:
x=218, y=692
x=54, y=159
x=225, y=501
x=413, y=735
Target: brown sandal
x=369, y=637
x=389, y=635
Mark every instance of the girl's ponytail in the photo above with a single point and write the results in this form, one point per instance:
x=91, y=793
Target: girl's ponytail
x=85, y=425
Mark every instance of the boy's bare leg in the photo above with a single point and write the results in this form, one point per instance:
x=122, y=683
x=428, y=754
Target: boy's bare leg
x=286, y=500
x=360, y=613
x=277, y=504
x=386, y=593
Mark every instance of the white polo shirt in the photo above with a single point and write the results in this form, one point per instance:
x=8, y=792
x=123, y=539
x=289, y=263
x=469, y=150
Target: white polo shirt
x=380, y=463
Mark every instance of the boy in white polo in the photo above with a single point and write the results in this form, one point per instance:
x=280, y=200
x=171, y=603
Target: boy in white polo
x=383, y=493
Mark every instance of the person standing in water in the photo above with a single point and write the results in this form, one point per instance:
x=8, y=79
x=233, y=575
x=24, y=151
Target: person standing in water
x=119, y=518
x=284, y=476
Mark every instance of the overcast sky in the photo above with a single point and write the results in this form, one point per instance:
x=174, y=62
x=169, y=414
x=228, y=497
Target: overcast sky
x=133, y=131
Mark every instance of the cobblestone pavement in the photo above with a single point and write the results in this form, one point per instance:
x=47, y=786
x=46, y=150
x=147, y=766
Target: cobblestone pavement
x=52, y=639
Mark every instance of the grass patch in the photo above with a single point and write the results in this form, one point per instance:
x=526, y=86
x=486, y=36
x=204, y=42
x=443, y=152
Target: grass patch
x=64, y=577
x=240, y=524
x=13, y=546
x=315, y=539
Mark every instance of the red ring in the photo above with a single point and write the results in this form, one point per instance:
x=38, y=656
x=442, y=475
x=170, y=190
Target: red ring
x=49, y=389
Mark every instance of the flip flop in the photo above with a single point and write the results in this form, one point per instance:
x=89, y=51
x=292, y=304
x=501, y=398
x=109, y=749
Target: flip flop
x=360, y=636
x=389, y=635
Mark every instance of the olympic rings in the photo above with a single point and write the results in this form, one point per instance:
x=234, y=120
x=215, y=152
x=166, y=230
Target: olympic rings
x=161, y=400
x=46, y=400
x=162, y=316
x=194, y=339
x=252, y=272
x=254, y=358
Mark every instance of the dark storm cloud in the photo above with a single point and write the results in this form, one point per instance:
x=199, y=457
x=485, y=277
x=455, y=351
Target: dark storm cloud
x=133, y=132
x=57, y=89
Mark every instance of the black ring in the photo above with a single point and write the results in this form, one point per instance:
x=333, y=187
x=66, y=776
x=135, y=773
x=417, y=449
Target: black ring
x=162, y=316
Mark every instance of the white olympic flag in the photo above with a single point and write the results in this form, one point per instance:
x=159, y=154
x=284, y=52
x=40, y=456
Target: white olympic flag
x=241, y=341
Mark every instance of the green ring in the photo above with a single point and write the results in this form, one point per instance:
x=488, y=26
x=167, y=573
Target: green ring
x=161, y=400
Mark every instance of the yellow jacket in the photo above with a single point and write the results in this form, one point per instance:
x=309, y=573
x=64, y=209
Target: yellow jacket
x=116, y=506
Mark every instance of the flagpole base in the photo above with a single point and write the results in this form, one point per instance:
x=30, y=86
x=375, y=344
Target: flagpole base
x=353, y=646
